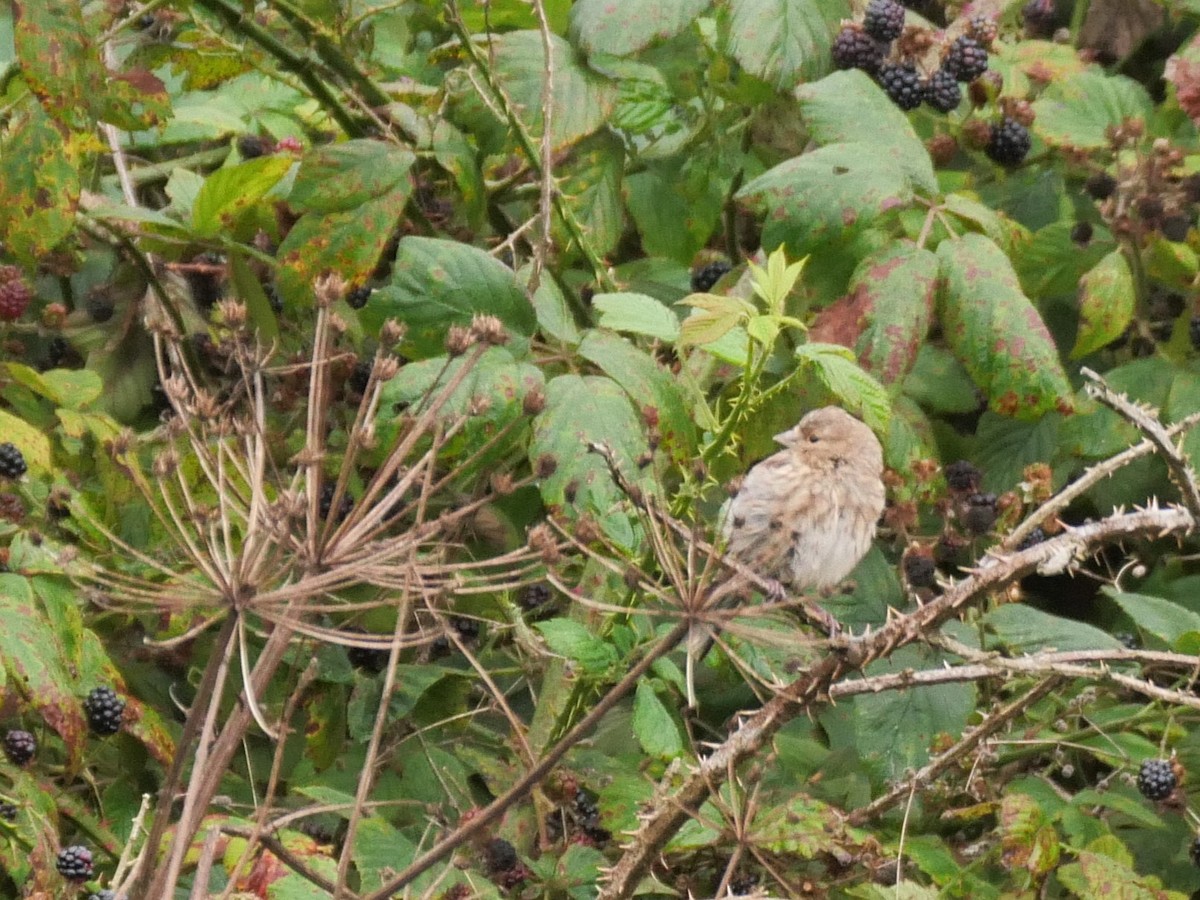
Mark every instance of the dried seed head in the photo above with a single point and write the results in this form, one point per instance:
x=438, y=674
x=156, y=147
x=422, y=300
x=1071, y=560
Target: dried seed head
x=586, y=530
x=541, y=540
x=165, y=464
x=122, y=443
x=386, y=368
x=232, y=312
x=329, y=288
x=392, y=332
x=502, y=483
x=533, y=402
x=337, y=323
x=459, y=340
x=489, y=330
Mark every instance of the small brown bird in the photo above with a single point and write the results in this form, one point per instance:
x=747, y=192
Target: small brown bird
x=806, y=515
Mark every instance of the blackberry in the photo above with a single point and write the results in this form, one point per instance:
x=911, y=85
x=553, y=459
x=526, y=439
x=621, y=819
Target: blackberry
x=703, y=279
x=326, y=504
x=19, y=747
x=360, y=377
x=902, y=84
x=967, y=59
x=743, y=883
x=1032, y=539
x=273, y=298
x=1191, y=188
x=983, y=29
x=1128, y=640
x=1194, y=331
x=884, y=19
x=500, y=856
x=1149, y=209
x=8, y=812
x=468, y=629
x=980, y=514
x=1194, y=851
x=1038, y=16
x=104, y=894
x=74, y=863
x=358, y=297
x=251, y=146
x=12, y=462
x=535, y=596
x=855, y=49
x=104, y=710
x=919, y=570
x=942, y=91
x=1009, y=143
x=369, y=659
x=1175, y=228
x=204, y=278
x=963, y=476
x=1081, y=233
x=1156, y=779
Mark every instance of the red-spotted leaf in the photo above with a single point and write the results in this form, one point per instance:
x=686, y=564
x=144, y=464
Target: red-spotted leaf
x=344, y=176
x=229, y=192
x=608, y=26
x=1106, y=302
x=39, y=185
x=59, y=60
x=893, y=291
x=995, y=331
x=781, y=41
x=829, y=193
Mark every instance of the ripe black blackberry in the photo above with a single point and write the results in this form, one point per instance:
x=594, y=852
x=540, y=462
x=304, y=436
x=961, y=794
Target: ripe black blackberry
x=19, y=746
x=853, y=48
x=704, y=278
x=360, y=377
x=74, y=863
x=468, y=629
x=980, y=514
x=966, y=59
x=1156, y=779
x=1032, y=539
x=368, y=659
x=273, y=297
x=942, y=91
x=535, y=596
x=919, y=570
x=359, y=297
x=1194, y=851
x=8, y=812
x=743, y=883
x=963, y=476
x=902, y=84
x=1194, y=331
x=104, y=711
x=499, y=856
x=884, y=19
x=1128, y=640
x=1081, y=233
x=251, y=146
x=104, y=894
x=326, y=503
x=12, y=462
x=1175, y=228
x=1009, y=143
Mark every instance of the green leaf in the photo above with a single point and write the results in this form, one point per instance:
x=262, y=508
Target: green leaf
x=554, y=317
x=939, y=382
x=349, y=243
x=39, y=185
x=32, y=442
x=877, y=122
x=1165, y=620
x=1077, y=111
x=592, y=179
x=653, y=725
x=32, y=657
x=1027, y=630
x=783, y=41
x=229, y=192
x=858, y=391
x=656, y=393
x=601, y=26
x=69, y=388
x=827, y=194
x=995, y=331
x=582, y=100
x=582, y=410
x=637, y=314
x=379, y=851
x=676, y=207
x=894, y=288
x=571, y=639
x=712, y=317
x=344, y=176
x=1106, y=304
x=438, y=283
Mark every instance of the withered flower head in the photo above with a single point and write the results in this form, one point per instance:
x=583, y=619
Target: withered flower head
x=459, y=340
x=329, y=288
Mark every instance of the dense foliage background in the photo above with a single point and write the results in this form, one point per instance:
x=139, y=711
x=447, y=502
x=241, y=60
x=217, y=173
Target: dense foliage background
x=374, y=373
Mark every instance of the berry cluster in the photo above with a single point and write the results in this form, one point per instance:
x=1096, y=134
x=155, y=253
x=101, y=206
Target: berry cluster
x=14, y=293
x=74, y=863
x=104, y=711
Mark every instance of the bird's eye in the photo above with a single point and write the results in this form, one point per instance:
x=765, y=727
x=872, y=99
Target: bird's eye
x=814, y=439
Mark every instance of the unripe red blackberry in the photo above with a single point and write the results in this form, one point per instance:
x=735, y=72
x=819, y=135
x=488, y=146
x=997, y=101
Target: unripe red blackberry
x=19, y=746
x=74, y=863
x=1156, y=779
x=104, y=711
x=14, y=293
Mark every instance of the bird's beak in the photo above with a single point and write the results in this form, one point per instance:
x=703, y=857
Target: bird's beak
x=787, y=438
